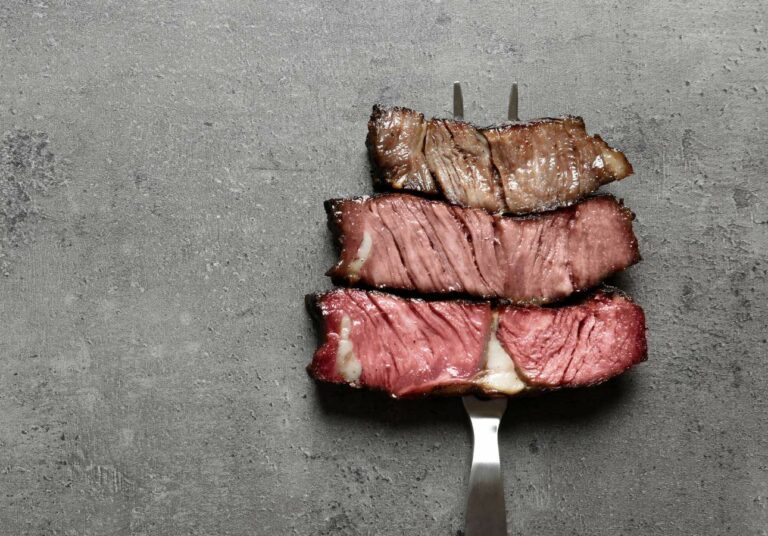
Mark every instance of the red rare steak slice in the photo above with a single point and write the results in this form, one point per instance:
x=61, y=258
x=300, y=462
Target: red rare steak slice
x=411, y=243
x=411, y=347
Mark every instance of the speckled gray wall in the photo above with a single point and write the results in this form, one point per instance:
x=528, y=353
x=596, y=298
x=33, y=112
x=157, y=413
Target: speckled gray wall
x=162, y=172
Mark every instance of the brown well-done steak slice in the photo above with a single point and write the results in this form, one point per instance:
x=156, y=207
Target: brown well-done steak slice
x=396, y=146
x=516, y=167
x=411, y=347
x=411, y=243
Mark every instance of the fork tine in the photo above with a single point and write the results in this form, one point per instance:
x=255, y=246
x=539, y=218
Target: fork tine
x=512, y=110
x=458, y=101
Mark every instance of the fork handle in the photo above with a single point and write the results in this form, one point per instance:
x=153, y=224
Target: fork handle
x=486, y=514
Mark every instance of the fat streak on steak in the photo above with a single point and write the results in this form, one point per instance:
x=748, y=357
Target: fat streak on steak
x=412, y=347
x=411, y=243
x=514, y=167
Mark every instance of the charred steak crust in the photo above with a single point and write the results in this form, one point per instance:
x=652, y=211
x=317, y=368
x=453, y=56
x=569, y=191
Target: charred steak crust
x=406, y=255
x=312, y=302
x=333, y=213
x=537, y=348
x=630, y=217
x=512, y=167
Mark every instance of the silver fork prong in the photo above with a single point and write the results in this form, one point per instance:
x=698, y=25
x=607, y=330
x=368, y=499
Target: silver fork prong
x=458, y=101
x=486, y=513
x=512, y=110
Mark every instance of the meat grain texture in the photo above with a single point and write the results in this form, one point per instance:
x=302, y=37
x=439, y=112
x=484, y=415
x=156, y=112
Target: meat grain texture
x=409, y=243
x=411, y=347
x=154, y=335
x=515, y=167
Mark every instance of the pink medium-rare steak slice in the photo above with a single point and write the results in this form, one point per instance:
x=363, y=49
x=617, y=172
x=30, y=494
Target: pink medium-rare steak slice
x=411, y=347
x=515, y=167
x=411, y=243
x=401, y=346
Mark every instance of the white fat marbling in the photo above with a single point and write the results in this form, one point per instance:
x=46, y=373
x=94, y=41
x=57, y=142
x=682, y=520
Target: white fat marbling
x=362, y=255
x=347, y=364
x=500, y=374
x=612, y=163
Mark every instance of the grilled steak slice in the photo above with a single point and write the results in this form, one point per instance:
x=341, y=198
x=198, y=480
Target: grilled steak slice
x=396, y=145
x=517, y=168
x=411, y=243
x=411, y=347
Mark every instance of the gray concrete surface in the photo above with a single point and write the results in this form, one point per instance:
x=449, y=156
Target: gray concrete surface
x=162, y=172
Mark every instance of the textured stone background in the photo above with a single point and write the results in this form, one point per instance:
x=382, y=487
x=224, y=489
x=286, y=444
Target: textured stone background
x=162, y=169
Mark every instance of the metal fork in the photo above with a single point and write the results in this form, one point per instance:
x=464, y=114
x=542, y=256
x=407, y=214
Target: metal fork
x=486, y=513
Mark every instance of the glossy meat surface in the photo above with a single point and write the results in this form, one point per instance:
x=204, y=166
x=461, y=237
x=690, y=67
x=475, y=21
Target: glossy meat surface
x=459, y=158
x=551, y=162
x=517, y=167
x=396, y=146
x=411, y=347
x=410, y=243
